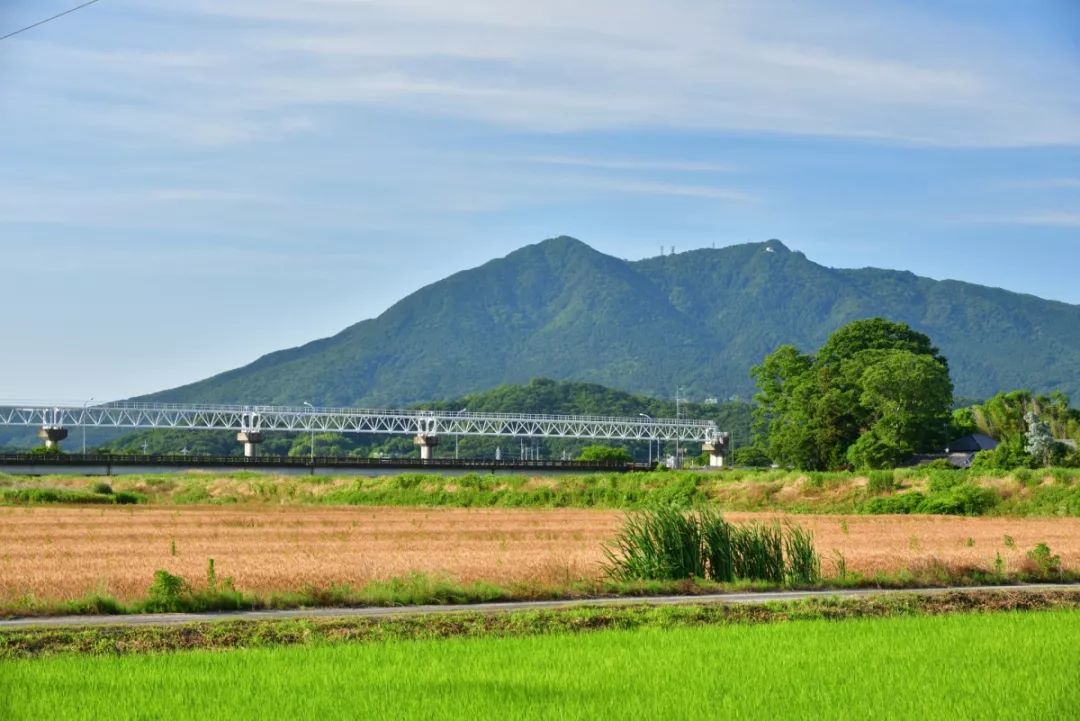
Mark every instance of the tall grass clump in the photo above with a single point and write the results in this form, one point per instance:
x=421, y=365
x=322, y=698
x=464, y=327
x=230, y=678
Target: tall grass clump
x=662, y=544
x=669, y=544
x=803, y=564
x=717, y=537
x=758, y=551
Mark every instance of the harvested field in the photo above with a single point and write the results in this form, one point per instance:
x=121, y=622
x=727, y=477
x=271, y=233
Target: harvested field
x=64, y=552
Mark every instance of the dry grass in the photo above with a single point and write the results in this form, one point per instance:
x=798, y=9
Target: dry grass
x=62, y=552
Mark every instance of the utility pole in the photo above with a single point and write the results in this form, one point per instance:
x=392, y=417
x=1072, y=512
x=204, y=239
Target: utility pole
x=646, y=415
x=83, y=422
x=457, y=436
x=311, y=425
x=678, y=413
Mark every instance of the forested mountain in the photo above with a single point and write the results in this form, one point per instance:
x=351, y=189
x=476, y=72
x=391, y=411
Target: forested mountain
x=698, y=319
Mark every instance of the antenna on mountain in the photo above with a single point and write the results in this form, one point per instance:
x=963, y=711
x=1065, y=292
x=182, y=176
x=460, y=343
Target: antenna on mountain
x=661, y=251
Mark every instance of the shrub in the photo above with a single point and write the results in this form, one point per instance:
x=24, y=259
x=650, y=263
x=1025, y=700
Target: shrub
x=752, y=456
x=900, y=503
x=872, y=451
x=881, y=482
x=963, y=500
x=605, y=454
x=957, y=499
x=60, y=495
x=1042, y=561
x=103, y=488
x=167, y=593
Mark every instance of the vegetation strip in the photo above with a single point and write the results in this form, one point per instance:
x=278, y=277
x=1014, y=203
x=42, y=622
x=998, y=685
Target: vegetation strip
x=111, y=640
x=924, y=490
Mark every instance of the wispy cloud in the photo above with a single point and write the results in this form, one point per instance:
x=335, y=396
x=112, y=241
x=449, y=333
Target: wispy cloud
x=680, y=166
x=1046, y=183
x=614, y=185
x=204, y=195
x=765, y=67
x=1047, y=218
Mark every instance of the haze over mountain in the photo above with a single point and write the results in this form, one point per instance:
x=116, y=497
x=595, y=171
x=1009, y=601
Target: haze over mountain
x=699, y=319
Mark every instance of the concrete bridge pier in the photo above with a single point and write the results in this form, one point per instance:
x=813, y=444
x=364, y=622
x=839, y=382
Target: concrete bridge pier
x=427, y=445
x=717, y=448
x=251, y=441
x=52, y=436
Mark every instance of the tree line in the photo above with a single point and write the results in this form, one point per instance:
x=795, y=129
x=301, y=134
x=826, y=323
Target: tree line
x=877, y=393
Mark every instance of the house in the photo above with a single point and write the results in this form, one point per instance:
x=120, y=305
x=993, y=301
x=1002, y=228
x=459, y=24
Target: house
x=960, y=452
x=972, y=444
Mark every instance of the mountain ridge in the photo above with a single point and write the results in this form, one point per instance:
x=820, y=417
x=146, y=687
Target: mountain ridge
x=701, y=319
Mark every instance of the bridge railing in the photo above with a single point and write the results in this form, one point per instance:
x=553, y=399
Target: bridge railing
x=405, y=413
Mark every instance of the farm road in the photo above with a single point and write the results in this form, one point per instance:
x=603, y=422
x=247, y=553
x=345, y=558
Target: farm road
x=172, y=619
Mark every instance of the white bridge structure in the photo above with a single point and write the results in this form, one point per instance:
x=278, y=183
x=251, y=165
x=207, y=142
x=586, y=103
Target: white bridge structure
x=250, y=422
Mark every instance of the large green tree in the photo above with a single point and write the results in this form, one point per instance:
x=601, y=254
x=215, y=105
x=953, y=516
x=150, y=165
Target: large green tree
x=875, y=392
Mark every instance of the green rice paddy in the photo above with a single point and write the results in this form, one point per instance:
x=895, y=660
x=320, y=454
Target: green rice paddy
x=975, y=666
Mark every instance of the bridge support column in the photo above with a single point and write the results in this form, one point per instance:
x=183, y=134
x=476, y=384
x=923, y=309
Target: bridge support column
x=717, y=448
x=427, y=445
x=52, y=436
x=251, y=440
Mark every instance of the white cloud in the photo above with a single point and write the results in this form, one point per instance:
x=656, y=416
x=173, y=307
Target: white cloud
x=680, y=166
x=1047, y=183
x=232, y=71
x=1047, y=218
x=1036, y=218
x=653, y=188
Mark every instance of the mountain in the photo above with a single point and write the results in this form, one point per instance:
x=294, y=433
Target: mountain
x=698, y=319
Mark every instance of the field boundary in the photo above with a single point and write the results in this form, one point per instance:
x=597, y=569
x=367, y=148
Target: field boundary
x=753, y=598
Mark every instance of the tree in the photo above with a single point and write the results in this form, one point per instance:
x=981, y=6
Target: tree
x=1003, y=416
x=876, y=334
x=753, y=456
x=874, y=393
x=908, y=398
x=873, y=451
x=1040, y=441
x=605, y=454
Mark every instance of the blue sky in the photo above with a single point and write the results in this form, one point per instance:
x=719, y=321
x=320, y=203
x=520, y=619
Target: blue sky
x=185, y=186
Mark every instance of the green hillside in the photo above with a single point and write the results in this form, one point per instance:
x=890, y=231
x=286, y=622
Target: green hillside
x=698, y=319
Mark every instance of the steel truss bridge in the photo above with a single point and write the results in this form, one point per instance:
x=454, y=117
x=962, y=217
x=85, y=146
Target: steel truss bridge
x=423, y=424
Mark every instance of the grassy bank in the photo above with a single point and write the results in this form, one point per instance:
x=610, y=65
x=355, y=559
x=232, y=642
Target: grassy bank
x=1051, y=492
x=665, y=664
x=223, y=635
x=168, y=593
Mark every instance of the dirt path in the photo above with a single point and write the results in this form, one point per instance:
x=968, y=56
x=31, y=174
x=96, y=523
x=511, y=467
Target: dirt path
x=753, y=598
x=63, y=552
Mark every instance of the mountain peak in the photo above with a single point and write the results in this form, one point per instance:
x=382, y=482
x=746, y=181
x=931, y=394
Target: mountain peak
x=701, y=318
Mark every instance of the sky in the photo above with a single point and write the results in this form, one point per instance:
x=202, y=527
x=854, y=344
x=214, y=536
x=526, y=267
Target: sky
x=187, y=186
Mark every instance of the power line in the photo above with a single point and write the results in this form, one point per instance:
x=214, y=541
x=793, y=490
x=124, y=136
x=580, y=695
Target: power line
x=47, y=20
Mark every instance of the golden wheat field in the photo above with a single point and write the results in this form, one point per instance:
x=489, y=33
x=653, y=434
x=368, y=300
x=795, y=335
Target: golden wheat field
x=64, y=552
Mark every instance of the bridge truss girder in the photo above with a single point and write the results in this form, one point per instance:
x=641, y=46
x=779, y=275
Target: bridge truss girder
x=348, y=420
